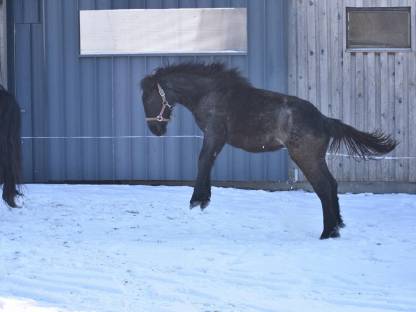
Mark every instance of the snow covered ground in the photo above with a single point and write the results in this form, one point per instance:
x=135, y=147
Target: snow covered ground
x=139, y=248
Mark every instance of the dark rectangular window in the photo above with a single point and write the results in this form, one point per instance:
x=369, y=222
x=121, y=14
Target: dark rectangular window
x=378, y=28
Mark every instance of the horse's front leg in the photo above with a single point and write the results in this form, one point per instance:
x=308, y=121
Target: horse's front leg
x=212, y=145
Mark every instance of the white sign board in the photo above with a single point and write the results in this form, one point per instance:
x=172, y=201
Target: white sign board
x=163, y=31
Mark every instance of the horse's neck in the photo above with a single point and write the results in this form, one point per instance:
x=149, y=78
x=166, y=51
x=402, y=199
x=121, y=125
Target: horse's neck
x=189, y=89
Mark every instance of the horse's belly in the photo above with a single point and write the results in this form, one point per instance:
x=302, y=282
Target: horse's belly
x=256, y=144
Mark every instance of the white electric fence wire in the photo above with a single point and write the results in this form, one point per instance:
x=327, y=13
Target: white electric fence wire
x=189, y=137
x=111, y=137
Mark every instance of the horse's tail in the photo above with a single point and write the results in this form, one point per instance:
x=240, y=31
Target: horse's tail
x=10, y=148
x=357, y=142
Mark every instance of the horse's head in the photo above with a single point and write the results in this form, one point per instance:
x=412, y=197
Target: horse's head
x=156, y=105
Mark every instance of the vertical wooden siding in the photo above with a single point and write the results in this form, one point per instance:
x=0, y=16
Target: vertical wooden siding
x=369, y=90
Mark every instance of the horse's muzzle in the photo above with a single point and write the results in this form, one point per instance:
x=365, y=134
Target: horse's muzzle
x=157, y=128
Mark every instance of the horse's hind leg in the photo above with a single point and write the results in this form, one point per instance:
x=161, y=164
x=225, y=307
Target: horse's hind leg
x=335, y=201
x=313, y=165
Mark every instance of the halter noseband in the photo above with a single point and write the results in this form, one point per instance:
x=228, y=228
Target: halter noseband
x=165, y=103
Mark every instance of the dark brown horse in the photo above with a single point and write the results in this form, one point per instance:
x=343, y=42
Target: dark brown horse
x=228, y=109
x=10, y=150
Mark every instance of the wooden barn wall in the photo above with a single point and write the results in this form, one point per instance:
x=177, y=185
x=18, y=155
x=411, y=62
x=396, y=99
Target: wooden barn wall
x=80, y=112
x=374, y=90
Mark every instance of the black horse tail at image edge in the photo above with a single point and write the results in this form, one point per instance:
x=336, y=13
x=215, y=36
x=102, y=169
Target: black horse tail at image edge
x=362, y=144
x=10, y=148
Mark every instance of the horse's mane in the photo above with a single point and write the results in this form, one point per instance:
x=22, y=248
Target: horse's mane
x=216, y=70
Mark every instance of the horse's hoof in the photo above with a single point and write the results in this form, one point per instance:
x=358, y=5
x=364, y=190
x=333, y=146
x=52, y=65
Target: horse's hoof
x=12, y=204
x=334, y=233
x=194, y=203
x=204, y=204
x=201, y=203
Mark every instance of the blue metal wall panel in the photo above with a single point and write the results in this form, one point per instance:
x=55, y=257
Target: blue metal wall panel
x=122, y=112
x=39, y=106
x=55, y=86
x=102, y=74
x=24, y=94
x=27, y=11
x=72, y=95
x=140, y=151
x=89, y=105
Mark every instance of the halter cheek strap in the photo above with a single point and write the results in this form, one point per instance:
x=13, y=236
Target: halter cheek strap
x=165, y=104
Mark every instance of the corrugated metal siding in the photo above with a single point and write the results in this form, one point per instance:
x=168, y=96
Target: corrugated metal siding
x=369, y=90
x=3, y=44
x=66, y=96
